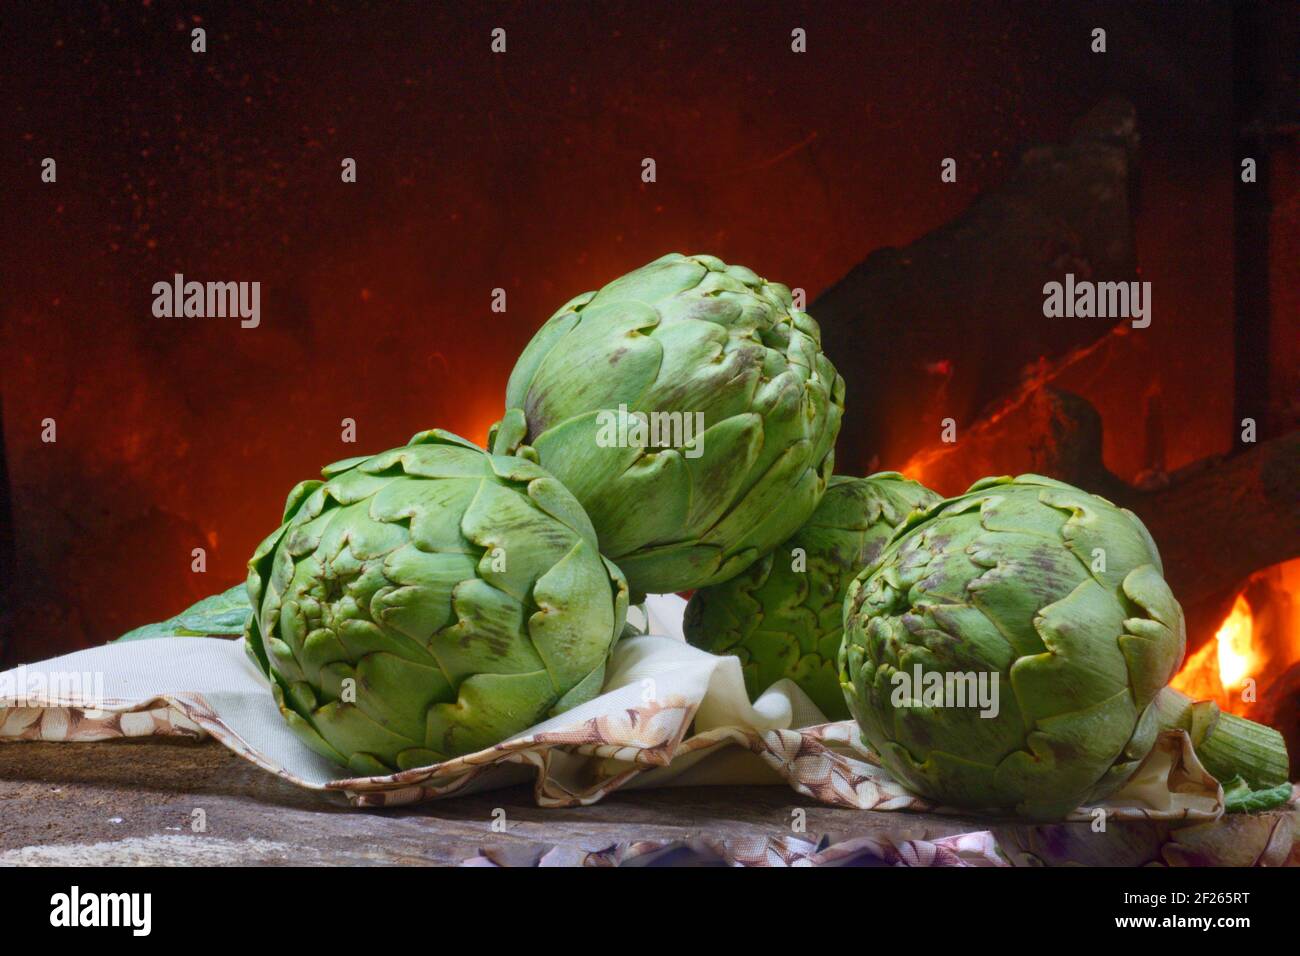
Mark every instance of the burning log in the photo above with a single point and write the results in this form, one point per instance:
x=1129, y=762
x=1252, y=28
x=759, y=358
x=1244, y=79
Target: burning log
x=1280, y=708
x=958, y=314
x=1222, y=519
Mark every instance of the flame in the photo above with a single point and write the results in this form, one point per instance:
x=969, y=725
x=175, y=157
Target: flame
x=1199, y=678
x=1221, y=666
x=1233, y=640
x=1258, y=641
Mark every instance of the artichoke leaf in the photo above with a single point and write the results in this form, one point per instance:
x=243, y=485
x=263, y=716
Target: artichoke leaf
x=220, y=615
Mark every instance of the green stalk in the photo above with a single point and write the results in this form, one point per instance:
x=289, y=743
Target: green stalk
x=1227, y=745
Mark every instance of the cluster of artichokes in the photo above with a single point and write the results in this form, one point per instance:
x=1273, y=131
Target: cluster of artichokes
x=439, y=598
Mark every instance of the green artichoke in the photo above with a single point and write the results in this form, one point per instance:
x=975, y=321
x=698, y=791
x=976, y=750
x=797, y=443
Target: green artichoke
x=783, y=615
x=430, y=601
x=740, y=410
x=1058, y=595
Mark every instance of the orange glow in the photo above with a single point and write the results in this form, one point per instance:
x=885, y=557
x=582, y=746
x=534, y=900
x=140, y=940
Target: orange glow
x=1199, y=678
x=949, y=467
x=1259, y=642
x=1220, y=667
x=1234, y=645
x=477, y=432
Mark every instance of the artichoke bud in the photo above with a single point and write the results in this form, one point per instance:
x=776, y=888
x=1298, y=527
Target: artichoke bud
x=1000, y=584
x=682, y=340
x=428, y=602
x=784, y=618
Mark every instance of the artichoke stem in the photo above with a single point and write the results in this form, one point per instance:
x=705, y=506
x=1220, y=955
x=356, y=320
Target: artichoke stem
x=1227, y=745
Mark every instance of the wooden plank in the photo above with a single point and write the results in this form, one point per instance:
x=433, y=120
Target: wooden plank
x=132, y=802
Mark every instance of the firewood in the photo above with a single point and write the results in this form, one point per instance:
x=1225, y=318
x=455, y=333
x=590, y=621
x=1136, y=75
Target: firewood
x=948, y=323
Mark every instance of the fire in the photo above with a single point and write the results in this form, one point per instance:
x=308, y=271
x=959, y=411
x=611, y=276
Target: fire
x=1256, y=646
x=1221, y=666
x=1233, y=640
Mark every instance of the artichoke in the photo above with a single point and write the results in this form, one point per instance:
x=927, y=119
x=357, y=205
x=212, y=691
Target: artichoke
x=783, y=615
x=1055, y=594
x=739, y=409
x=430, y=601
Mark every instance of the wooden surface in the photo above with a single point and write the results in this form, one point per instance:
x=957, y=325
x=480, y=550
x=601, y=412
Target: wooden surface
x=132, y=802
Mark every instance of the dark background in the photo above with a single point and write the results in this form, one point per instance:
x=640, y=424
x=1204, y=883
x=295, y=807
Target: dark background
x=478, y=171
